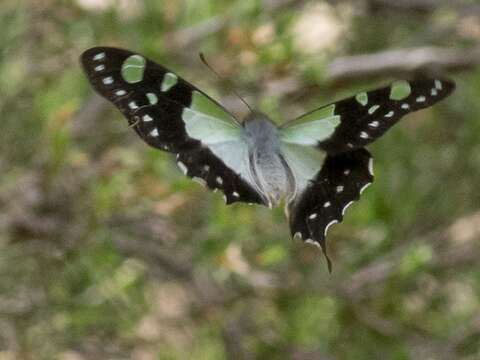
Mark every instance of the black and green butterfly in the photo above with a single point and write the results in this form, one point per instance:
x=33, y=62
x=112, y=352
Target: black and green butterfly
x=317, y=163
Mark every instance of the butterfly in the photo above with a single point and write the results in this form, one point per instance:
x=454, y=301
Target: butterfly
x=316, y=163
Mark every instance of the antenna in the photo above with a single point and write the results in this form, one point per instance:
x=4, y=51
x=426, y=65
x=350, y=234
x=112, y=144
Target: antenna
x=204, y=61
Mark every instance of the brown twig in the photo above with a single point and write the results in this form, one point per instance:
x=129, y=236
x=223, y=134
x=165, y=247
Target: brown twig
x=413, y=4
x=402, y=62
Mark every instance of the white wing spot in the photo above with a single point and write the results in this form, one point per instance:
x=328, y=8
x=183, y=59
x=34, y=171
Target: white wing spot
x=297, y=234
x=236, y=194
x=328, y=226
x=165, y=147
x=311, y=242
x=182, y=167
x=405, y=106
x=370, y=166
x=219, y=180
x=154, y=132
x=346, y=172
x=346, y=207
x=340, y=188
x=99, y=56
x=206, y=167
x=147, y=118
x=390, y=114
x=434, y=92
x=327, y=204
x=373, y=109
x=120, y=92
x=364, y=187
x=364, y=135
x=108, y=80
x=438, y=84
x=200, y=181
x=225, y=198
x=132, y=105
x=350, y=145
x=421, y=99
x=313, y=216
x=374, y=124
x=99, y=67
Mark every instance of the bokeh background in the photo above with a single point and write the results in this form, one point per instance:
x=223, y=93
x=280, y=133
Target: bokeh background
x=108, y=252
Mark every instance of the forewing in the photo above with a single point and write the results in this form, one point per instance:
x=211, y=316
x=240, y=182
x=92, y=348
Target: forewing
x=323, y=202
x=355, y=122
x=170, y=114
x=311, y=128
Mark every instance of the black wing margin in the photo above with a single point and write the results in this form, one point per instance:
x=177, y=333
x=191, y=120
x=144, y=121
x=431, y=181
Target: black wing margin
x=155, y=113
x=368, y=115
x=324, y=201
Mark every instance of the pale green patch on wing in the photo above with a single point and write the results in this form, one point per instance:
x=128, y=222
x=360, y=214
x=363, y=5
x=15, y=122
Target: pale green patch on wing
x=207, y=129
x=208, y=122
x=169, y=81
x=322, y=113
x=152, y=98
x=304, y=161
x=234, y=154
x=204, y=105
x=133, y=68
x=400, y=90
x=311, y=128
x=362, y=98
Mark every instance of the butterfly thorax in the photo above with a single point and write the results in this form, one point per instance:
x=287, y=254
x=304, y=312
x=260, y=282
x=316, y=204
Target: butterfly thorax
x=267, y=165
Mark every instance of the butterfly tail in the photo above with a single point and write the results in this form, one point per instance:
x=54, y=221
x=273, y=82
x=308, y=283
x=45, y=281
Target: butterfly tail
x=324, y=201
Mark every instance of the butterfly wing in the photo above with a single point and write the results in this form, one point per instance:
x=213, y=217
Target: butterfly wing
x=323, y=202
x=170, y=114
x=357, y=121
x=326, y=186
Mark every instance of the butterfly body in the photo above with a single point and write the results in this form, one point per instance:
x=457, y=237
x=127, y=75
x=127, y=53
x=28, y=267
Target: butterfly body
x=317, y=163
x=270, y=172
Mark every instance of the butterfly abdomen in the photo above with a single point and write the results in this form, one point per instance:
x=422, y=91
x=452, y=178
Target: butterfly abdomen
x=267, y=165
x=270, y=175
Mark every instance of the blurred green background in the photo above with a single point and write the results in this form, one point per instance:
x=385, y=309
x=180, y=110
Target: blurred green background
x=108, y=252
